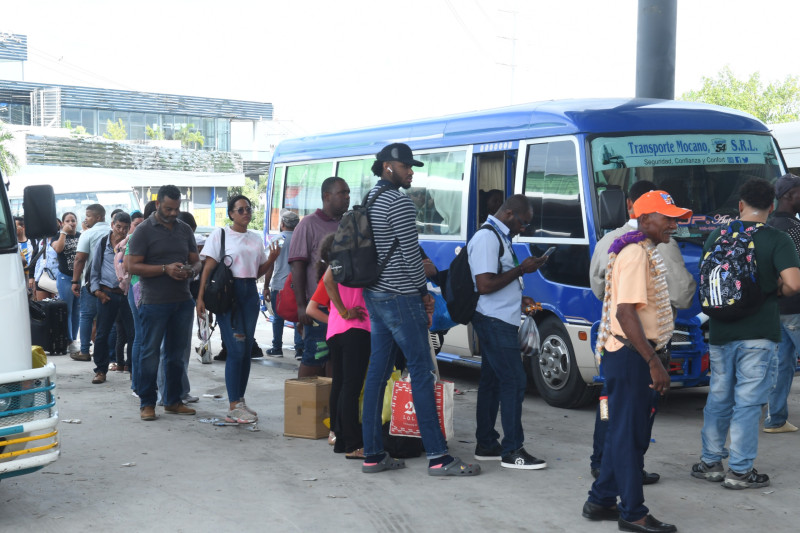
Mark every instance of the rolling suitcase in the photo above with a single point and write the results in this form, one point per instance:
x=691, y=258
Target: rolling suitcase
x=49, y=325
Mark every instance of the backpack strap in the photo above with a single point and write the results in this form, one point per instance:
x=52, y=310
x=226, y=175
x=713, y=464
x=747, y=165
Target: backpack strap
x=501, y=249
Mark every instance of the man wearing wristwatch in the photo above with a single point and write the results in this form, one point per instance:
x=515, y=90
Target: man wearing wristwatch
x=98, y=227
x=163, y=253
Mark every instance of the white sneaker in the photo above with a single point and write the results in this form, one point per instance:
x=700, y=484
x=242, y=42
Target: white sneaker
x=74, y=347
x=190, y=399
x=246, y=408
x=238, y=415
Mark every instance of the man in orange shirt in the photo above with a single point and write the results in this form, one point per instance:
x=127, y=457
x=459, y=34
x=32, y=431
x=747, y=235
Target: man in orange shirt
x=637, y=324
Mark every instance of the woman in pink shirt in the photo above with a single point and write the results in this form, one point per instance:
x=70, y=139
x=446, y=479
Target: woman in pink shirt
x=348, y=338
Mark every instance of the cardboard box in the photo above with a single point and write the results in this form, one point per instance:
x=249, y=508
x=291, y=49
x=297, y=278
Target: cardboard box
x=305, y=406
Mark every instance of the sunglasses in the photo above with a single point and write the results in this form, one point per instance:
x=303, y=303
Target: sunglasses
x=523, y=225
x=243, y=210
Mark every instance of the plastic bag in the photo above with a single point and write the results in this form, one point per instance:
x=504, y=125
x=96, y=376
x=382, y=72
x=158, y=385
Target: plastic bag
x=386, y=413
x=441, y=320
x=529, y=337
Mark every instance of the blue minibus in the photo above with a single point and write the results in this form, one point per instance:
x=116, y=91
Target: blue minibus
x=573, y=159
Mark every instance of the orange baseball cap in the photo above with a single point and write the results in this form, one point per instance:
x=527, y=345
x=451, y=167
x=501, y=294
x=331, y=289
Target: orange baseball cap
x=659, y=202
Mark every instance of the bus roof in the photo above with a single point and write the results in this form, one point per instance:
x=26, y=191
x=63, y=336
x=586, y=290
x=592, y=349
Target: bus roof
x=65, y=180
x=537, y=119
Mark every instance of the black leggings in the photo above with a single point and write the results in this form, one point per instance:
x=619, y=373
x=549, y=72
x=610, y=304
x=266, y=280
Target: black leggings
x=349, y=356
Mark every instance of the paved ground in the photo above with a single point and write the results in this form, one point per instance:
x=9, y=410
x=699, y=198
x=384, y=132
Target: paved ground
x=189, y=476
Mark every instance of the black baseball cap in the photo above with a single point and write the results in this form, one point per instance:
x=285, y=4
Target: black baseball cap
x=398, y=152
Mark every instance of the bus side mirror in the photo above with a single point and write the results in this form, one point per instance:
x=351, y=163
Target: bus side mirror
x=39, y=205
x=613, y=209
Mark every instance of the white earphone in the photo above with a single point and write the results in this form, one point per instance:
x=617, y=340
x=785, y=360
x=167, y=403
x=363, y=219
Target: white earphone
x=390, y=169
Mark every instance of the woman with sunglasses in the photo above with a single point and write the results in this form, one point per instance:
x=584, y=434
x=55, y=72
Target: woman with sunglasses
x=246, y=257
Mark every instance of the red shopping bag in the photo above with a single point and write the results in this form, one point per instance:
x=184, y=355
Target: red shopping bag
x=404, y=416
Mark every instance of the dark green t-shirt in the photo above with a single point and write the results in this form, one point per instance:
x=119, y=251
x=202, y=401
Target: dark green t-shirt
x=774, y=253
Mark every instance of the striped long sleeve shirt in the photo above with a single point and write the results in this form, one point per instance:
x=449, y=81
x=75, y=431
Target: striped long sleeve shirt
x=393, y=215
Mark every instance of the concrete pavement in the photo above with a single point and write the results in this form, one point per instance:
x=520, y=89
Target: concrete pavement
x=194, y=477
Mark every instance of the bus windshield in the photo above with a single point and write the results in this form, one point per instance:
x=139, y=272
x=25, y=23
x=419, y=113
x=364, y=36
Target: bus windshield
x=701, y=172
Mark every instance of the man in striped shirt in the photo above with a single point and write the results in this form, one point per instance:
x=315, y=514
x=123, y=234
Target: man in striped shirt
x=400, y=311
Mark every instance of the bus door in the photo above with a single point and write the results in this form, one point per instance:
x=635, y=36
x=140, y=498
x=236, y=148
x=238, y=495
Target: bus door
x=493, y=167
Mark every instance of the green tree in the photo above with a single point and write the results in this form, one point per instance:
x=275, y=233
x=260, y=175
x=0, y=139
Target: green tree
x=8, y=161
x=777, y=102
x=115, y=131
x=189, y=137
x=254, y=192
x=156, y=134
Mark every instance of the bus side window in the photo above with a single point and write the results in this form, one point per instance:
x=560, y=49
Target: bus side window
x=551, y=184
x=437, y=192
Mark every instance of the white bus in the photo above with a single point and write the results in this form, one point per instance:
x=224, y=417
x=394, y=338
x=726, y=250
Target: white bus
x=28, y=412
x=788, y=137
x=75, y=189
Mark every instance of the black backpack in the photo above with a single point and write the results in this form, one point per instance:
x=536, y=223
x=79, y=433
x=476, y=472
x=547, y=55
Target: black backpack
x=218, y=296
x=729, y=287
x=459, y=291
x=354, y=257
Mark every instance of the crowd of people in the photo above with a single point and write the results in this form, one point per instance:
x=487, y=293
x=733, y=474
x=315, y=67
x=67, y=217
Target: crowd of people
x=135, y=278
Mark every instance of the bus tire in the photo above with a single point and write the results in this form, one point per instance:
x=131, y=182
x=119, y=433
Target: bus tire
x=555, y=371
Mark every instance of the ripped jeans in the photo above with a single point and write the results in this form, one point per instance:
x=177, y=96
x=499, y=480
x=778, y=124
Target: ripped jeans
x=238, y=328
x=401, y=319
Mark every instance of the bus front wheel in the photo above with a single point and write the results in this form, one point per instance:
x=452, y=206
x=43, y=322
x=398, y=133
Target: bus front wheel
x=555, y=371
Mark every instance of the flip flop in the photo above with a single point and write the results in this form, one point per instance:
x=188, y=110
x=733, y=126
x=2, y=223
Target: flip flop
x=456, y=467
x=387, y=463
x=355, y=454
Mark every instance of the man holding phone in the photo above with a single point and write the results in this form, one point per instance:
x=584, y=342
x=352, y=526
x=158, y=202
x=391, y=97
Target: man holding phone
x=496, y=322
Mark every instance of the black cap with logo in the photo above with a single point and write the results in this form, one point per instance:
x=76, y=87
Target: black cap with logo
x=398, y=152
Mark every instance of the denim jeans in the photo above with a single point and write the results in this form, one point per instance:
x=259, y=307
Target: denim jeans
x=400, y=319
x=138, y=335
x=277, y=329
x=742, y=376
x=630, y=401
x=106, y=316
x=88, y=303
x=238, y=328
x=778, y=410
x=185, y=356
x=315, y=349
x=501, y=386
x=169, y=323
x=64, y=285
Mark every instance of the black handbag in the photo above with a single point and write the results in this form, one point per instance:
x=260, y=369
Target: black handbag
x=218, y=296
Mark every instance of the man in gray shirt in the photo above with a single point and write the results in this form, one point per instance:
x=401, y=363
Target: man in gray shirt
x=163, y=253
x=289, y=221
x=98, y=227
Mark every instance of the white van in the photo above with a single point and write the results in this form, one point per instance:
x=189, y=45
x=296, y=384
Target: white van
x=75, y=189
x=28, y=412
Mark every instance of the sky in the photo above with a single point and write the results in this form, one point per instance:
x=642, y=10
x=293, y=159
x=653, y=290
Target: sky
x=327, y=66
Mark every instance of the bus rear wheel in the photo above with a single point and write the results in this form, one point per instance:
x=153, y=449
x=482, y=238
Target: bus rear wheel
x=555, y=371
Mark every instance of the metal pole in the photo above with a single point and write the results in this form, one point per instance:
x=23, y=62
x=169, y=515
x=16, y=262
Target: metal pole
x=655, y=49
